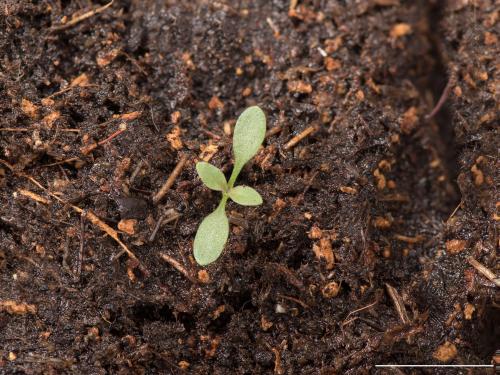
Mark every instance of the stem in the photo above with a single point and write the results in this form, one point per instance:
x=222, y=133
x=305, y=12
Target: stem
x=234, y=174
x=222, y=204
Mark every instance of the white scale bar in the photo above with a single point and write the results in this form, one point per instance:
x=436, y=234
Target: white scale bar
x=482, y=366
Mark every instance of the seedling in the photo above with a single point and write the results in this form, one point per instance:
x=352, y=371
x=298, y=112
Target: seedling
x=213, y=231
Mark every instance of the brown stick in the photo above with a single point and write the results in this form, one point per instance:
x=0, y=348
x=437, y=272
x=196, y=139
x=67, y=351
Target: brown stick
x=79, y=265
x=170, y=181
x=442, y=99
x=273, y=131
x=14, y=130
x=398, y=304
x=81, y=18
x=299, y=137
x=179, y=267
x=486, y=272
x=123, y=127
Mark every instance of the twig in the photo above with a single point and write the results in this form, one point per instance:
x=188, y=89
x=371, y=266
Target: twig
x=398, y=304
x=59, y=162
x=123, y=127
x=135, y=172
x=33, y=196
x=80, y=252
x=164, y=219
x=296, y=300
x=156, y=228
x=455, y=211
x=273, y=131
x=409, y=239
x=486, y=272
x=299, y=137
x=179, y=267
x=81, y=18
x=170, y=181
x=442, y=99
x=211, y=134
x=14, y=130
x=360, y=309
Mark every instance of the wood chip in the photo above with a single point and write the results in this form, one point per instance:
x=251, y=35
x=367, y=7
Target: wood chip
x=332, y=64
x=399, y=30
x=29, y=108
x=477, y=174
x=49, y=120
x=445, y=352
x=330, y=290
x=265, y=324
x=409, y=120
x=174, y=138
x=453, y=247
x=408, y=239
x=203, y=276
x=348, y=190
x=128, y=116
x=323, y=250
x=300, y=87
x=380, y=179
x=468, y=311
x=81, y=81
x=106, y=58
x=18, y=308
x=127, y=226
x=381, y=223
x=215, y=103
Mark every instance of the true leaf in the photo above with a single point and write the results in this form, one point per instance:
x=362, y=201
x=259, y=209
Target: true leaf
x=211, y=236
x=249, y=134
x=211, y=176
x=245, y=195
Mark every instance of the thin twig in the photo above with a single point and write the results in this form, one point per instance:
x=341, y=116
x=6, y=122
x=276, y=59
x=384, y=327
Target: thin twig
x=483, y=270
x=59, y=162
x=296, y=300
x=123, y=127
x=170, y=181
x=179, y=267
x=80, y=252
x=442, y=99
x=398, y=304
x=361, y=309
x=273, y=131
x=156, y=228
x=135, y=172
x=299, y=137
x=14, y=130
x=81, y=18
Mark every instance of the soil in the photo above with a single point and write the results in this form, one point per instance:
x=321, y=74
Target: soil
x=365, y=250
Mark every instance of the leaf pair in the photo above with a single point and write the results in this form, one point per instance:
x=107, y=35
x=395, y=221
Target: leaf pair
x=214, y=179
x=213, y=231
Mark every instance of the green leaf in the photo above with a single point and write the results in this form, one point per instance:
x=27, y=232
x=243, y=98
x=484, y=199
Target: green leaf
x=249, y=134
x=245, y=195
x=211, y=236
x=211, y=176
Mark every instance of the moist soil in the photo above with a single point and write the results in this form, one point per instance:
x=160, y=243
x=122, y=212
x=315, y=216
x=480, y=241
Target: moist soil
x=365, y=249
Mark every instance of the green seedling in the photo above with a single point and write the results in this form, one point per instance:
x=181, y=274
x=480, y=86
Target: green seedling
x=213, y=231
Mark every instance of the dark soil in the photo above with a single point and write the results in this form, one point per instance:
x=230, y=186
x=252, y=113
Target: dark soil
x=360, y=254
